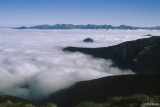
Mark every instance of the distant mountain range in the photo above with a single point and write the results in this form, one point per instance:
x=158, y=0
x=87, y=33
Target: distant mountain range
x=89, y=26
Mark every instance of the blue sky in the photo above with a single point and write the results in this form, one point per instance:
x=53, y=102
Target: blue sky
x=114, y=12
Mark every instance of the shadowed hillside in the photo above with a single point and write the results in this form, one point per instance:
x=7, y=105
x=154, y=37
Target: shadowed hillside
x=141, y=56
x=103, y=92
x=99, y=90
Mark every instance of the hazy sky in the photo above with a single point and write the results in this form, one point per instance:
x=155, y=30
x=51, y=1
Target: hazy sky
x=115, y=12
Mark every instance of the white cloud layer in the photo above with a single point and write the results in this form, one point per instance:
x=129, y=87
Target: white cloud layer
x=32, y=63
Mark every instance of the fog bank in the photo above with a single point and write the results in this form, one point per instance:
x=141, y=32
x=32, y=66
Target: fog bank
x=33, y=65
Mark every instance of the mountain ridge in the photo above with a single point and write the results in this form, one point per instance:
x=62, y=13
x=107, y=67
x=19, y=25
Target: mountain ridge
x=141, y=56
x=88, y=26
x=98, y=90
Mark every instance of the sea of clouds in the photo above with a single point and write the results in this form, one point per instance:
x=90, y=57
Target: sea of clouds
x=33, y=65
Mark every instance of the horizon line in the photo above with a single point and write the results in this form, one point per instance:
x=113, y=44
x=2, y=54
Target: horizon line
x=79, y=24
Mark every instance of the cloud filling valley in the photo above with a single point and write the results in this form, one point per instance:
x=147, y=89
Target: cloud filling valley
x=33, y=65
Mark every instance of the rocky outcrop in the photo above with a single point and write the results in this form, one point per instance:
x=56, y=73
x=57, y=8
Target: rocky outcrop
x=141, y=56
x=88, y=40
x=148, y=35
